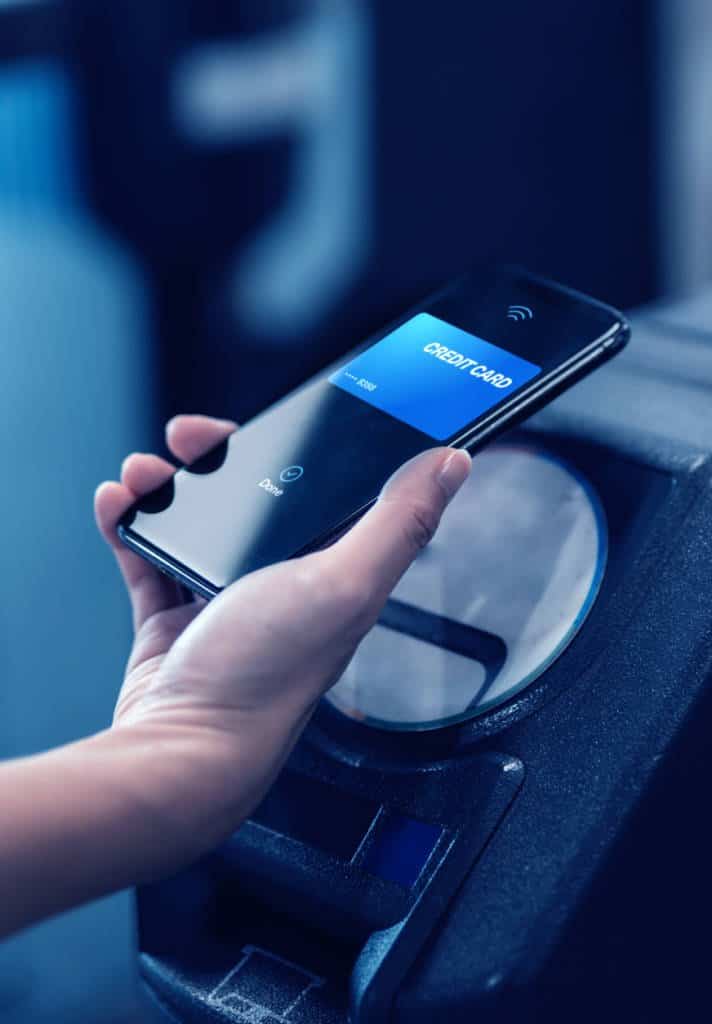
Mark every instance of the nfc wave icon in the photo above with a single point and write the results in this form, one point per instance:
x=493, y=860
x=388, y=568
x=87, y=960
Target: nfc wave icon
x=520, y=313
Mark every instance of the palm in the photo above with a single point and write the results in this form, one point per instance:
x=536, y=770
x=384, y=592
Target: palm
x=152, y=643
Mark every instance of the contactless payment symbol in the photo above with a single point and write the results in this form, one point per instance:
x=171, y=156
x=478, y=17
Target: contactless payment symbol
x=520, y=313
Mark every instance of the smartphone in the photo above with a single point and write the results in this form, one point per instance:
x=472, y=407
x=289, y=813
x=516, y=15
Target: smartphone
x=463, y=366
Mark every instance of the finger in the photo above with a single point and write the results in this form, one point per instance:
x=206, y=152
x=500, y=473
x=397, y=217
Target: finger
x=142, y=473
x=110, y=502
x=149, y=590
x=188, y=437
x=376, y=552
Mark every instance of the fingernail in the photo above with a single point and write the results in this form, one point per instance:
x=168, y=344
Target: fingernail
x=455, y=470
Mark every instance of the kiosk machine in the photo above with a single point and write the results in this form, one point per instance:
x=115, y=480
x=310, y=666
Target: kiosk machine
x=498, y=813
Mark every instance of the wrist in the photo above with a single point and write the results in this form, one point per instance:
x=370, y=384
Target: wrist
x=191, y=784
x=93, y=817
x=172, y=793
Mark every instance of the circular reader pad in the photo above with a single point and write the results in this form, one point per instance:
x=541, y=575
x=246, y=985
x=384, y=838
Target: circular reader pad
x=494, y=599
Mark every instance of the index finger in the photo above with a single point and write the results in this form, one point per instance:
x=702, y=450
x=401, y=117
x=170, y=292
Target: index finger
x=189, y=437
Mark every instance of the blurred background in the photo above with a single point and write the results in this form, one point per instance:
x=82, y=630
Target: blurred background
x=203, y=201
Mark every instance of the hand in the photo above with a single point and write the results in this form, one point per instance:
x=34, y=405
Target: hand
x=221, y=691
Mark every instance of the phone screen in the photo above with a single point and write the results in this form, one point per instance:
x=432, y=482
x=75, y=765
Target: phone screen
x=292, y=475
x=434, y=376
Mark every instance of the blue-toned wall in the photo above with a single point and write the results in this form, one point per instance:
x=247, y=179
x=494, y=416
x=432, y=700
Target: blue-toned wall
x=73, y=400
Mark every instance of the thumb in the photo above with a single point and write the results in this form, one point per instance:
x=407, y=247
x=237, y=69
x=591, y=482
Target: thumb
x=376, y=552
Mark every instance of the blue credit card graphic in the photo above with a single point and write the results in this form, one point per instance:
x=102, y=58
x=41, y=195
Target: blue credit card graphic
x=434, y=376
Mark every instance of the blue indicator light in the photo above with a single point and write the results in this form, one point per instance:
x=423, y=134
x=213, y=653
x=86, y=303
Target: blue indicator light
x=401, y=848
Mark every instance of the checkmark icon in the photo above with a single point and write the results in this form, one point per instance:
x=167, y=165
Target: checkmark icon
x=290, y=474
